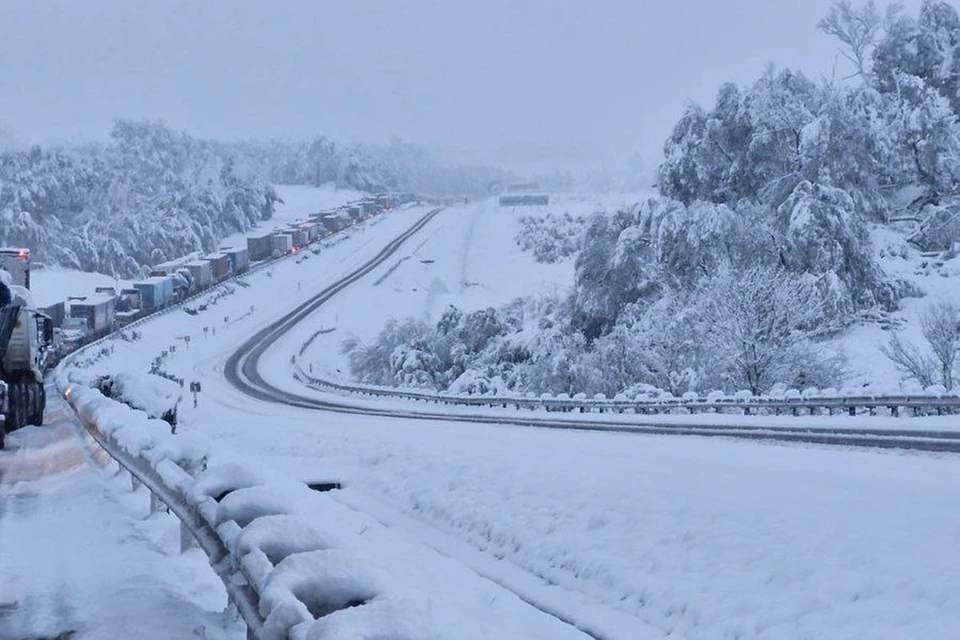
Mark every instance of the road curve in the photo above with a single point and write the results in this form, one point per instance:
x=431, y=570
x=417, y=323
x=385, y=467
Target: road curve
x=242, y=371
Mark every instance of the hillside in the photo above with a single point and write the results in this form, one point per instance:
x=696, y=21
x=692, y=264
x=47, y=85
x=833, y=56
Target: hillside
x=792, y=216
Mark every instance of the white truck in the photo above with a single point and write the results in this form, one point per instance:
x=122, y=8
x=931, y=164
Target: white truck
x=26, y=335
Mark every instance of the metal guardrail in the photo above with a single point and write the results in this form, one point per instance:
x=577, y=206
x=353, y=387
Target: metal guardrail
x=796, y=406
x=259, y=586
x=193, y=526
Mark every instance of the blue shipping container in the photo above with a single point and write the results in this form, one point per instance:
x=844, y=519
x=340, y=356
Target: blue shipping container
x=155, y=292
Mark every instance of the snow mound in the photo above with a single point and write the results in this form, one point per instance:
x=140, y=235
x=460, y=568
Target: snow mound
x=311, y=585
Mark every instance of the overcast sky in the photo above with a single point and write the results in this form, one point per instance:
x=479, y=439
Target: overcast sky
x=538, y=81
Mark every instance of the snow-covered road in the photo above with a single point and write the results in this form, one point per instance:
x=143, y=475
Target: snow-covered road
x=82, y=558
x=631, y=536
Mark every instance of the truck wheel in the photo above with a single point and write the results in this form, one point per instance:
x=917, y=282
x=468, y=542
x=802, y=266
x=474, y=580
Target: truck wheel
x=15, y=411
x=37, y=402
x=41, y=404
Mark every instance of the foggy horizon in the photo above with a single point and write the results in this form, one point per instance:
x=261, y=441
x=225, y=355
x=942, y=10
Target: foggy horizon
x=494, y=83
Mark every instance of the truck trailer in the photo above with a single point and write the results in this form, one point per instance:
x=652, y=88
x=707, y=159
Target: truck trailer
x=300, y=236
x=220, y=265
x=155, y=292
x=282, y=243
x=201, y=272
x=260, y=247
x=239, y=259
x=99, y=311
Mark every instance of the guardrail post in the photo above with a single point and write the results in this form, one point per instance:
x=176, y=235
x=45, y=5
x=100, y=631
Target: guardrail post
x=155, y=503
x=894, y=411
x=187, y=541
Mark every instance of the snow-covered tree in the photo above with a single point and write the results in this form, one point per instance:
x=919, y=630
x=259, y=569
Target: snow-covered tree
x=758, y=329
x=150, y=195
x=925, y=48
x=824, y=237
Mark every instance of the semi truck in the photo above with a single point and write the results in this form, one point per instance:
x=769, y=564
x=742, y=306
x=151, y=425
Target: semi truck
x=26, y=335
x=16, y=262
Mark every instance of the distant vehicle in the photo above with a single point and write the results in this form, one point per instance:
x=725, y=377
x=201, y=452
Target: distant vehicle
x=524, y=201
x=16, y=262
x=73, y=333
x=301, y=237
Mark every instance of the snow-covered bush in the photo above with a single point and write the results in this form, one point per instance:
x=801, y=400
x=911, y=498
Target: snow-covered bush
x=551, y=238
x=472, y=383
x=716, y=396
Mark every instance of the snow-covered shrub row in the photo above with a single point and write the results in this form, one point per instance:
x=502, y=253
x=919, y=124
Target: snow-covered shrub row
x=733, y=331
x=683, y=298
x=551, y=238
x=151, y=194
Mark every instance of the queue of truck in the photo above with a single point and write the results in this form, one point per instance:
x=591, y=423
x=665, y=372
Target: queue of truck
x=83, y=318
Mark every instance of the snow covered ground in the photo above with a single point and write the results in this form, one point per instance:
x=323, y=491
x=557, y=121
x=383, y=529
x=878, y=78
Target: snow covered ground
x=81, y=556
x=631, y=536
x=862, y=344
